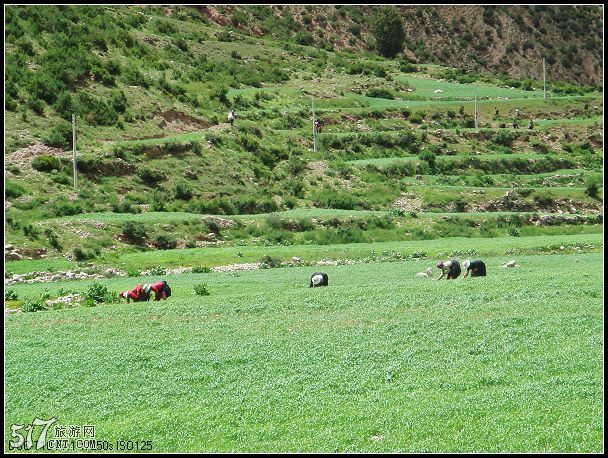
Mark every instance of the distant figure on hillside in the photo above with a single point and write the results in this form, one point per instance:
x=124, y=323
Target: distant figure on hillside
x=515, y=124
x=318, y=127
x=319, y=279
x=495, y=112
x=517, y=113
x=141, y=293
x=231, y=116
x=450, y=268
x=531, y=125
x=477, y=268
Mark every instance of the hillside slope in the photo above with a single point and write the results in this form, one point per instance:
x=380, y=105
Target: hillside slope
x=398, y=156
x=499, y=39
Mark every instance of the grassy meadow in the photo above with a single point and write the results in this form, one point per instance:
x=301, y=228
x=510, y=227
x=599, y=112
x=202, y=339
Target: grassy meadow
x=378, y=361
x=400, y=176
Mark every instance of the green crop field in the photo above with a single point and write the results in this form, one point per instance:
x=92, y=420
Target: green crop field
x=435, y=139
x=378, y=361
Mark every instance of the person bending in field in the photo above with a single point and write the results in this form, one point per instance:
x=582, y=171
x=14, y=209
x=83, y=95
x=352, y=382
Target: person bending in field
x=319, y=279
x=450, y=268
x=477, y=268
x=141, y=293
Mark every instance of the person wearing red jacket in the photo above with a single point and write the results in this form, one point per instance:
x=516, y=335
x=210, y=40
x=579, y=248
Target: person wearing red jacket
x=142, y=293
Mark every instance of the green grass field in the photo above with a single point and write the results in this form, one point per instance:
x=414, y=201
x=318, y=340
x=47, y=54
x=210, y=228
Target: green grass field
x=378, y=361
x=396, y=179
x=219, y=256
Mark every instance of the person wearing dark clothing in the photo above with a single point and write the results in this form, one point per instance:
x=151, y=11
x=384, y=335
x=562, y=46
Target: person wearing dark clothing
x=450, y=268
x=319, y=279
x=477, y=268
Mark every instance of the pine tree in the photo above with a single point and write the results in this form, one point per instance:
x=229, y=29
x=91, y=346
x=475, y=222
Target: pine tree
x=388, y=31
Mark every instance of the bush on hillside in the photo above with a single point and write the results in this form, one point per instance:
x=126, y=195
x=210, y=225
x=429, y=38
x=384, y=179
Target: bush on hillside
x=150, y=177
x=13, y=189
x=61, y=206
x=334, y=198
x=182, y=190
x=165, y=242
x=407, y=67
x=60, y=136
x=46, y=163
x=592, y=187
x=134, y=232
x=380, y=93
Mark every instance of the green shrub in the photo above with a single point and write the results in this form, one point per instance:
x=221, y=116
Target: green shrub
x=46, y=163
x=124, y=206
x=592, y=187
x=33, y=305
x=504, y=138
x=460, y=205
x=82, y=254
x=158, y=270
x=11, y=104
x=61, y=206
x=10, y=295
x=13, y=189
x=30, y=231
x=334, y=198
x=514, y=232
x=201, y=290
x=150, y=177
x=269, y=262
x=201, y=270
x=158, y=201
x=380, y=93
x=182, y=190
x=304, y=38
x=407, y=67
x=165, y=242
x=53, y=239
x=133, y=77
x=134, y=232
x=98, y=294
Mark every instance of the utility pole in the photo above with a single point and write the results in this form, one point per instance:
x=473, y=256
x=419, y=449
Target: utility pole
x=314, y=126
x=476, y=123
x=74, y=151
x=544, y=79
